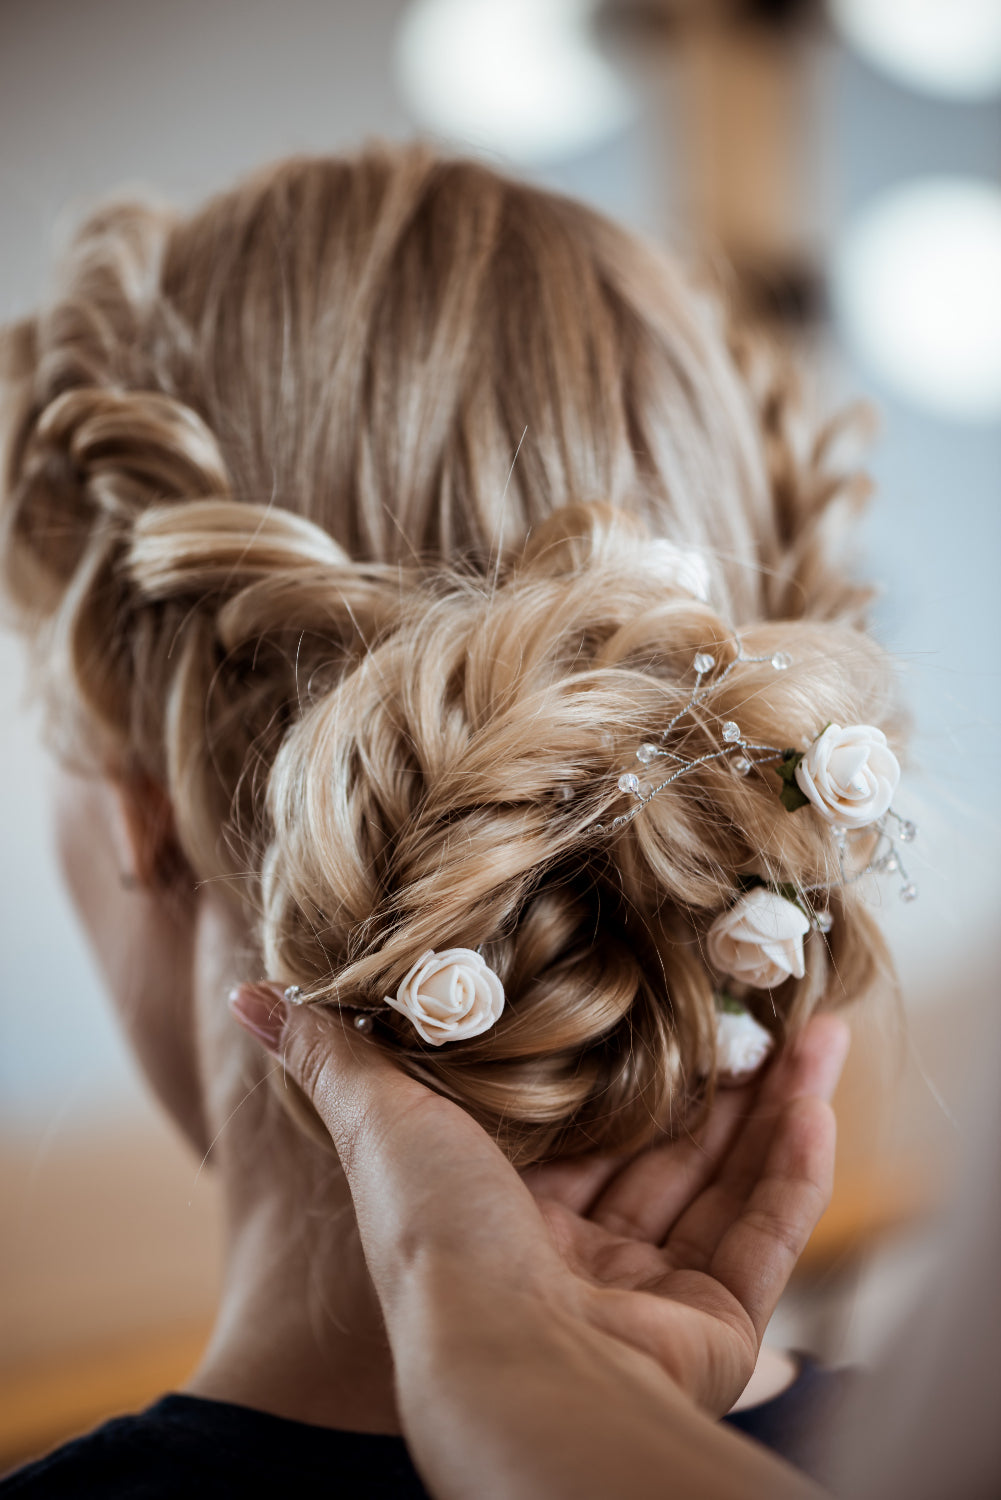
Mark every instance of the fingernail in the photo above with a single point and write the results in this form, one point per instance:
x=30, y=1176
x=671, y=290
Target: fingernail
x=260, y=1010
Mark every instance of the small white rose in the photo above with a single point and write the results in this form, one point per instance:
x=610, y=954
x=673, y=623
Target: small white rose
x=760, y=940
x=850, y=775
x=449, y=996
x=742, y=1044
x=683, y=567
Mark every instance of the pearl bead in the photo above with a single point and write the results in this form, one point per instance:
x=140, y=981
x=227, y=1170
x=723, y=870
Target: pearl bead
x=646, y=753
x=363, y=1024
x=563, y=793
x=890, y=864
x=824, y=921
x=909, y=892
x=731, y=731
x=704, y=663
x=629, y=782
x=781, y=660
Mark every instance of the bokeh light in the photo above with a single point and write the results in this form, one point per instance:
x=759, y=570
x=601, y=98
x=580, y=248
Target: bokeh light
x=917, y=287
x=522, y=78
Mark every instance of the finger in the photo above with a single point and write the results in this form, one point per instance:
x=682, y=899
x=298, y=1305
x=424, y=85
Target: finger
x=575, y=1182
x=643, y=1199
x=757, y=1254
x=809, y=1069
x=646, y=1198
x=340, y=1071
x=423, y=1175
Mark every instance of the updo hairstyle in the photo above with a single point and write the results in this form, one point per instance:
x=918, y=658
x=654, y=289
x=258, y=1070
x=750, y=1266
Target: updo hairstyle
x=329, y=508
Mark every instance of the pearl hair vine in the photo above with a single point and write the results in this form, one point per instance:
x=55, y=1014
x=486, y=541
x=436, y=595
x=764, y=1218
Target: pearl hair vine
x=848, y=775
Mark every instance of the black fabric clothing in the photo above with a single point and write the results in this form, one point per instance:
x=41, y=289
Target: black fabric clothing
x=188, y=1448
x=795, y=1423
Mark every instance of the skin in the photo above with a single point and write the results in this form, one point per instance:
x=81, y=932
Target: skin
x=540, y=1352
x=301, y=1330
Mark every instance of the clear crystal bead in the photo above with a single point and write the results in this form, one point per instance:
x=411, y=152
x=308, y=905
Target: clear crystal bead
x=907, y=832
x=742, y=765
x=909, y=892
x=646, y=753
x=363, y=1024
x=731, y=731
x=563, y=793
x=629, y=782
x=781, y=660
x=293, y=995
x=704, y=662
x=599, y=827
x=824, y=921
x=644, y=789
x=890, y=864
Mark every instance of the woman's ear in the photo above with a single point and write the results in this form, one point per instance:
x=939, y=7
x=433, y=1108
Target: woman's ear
x=145, y=834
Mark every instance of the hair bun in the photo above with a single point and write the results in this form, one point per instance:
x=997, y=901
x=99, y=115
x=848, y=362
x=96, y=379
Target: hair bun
x=444, y=794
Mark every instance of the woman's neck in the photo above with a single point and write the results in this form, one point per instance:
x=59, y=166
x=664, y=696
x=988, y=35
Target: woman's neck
x=298, y=1332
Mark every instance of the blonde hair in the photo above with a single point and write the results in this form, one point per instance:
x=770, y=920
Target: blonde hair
x=328, y=508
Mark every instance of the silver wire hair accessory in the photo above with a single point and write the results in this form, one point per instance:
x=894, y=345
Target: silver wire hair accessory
x=848, y=776
x=362, y=1020
x=644, y=789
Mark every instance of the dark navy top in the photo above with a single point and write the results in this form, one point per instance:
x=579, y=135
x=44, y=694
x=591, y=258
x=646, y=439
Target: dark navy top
x=188, y=1448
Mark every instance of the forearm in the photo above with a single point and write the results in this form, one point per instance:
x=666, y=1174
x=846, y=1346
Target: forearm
x=518, y=1401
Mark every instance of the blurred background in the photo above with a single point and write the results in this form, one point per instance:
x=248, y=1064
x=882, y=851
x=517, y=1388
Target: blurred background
x=841, y=161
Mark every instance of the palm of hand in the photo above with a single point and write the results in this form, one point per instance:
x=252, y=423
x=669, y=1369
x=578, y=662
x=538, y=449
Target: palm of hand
x=683, y=1252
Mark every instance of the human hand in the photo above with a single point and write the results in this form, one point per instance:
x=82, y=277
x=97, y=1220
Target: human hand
x=678, y=1255
x=691, y=1242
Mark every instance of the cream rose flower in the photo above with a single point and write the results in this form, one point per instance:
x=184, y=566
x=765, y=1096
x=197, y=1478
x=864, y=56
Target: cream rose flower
x=850, y=775
x=760, y=940
x=681, y=566
x=449, y=996
x=742, y=1044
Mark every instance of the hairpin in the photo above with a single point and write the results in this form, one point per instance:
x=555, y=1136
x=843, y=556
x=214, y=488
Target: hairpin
x=447, y=997
x=361, y=1020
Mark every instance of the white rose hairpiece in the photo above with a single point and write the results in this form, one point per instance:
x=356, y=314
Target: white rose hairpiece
x=682, y=567
x=447, y=997
x=849, y=775
x=760, y=940
x=742, y=1043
